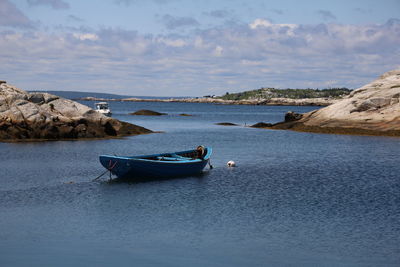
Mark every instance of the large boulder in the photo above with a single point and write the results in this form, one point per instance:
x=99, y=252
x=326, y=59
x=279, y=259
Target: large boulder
x=373, y=109
x=292, y=116
x=31, y=116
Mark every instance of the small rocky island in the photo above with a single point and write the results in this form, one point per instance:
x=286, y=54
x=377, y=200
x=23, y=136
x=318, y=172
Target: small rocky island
x=373, y=109
x=226, y=124
x=41, y=116
x=146, y=112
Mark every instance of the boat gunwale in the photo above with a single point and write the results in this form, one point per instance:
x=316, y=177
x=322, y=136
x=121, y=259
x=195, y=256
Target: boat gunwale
x=143, y=157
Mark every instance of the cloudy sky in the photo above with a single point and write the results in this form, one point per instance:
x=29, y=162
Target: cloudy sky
x=195, y=48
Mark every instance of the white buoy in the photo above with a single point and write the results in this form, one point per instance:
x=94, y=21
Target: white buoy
x=231, y=163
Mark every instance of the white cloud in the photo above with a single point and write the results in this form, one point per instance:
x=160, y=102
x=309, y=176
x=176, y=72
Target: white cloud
x=251, y=62
x=260, y=23
x=86, y=36
x=278, y=29
x=282, y=55
x=172, y=42
x=198, y=42
x=218, y=51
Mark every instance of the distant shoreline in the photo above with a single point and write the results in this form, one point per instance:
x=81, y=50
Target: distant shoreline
x=267, y=102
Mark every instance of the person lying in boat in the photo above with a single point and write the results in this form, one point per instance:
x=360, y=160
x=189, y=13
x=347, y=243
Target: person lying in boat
x=201, y=152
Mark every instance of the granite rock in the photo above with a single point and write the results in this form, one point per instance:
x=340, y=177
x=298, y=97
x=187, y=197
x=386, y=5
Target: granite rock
x=373, y=109
x=37, y=116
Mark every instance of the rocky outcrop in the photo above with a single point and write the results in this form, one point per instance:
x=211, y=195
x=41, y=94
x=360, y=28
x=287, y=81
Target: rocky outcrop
x=292, y=116
x=38, y=116
x=373, y=109
x=145, y=112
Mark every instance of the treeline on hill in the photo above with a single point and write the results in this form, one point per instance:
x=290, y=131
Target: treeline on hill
x=267, y=93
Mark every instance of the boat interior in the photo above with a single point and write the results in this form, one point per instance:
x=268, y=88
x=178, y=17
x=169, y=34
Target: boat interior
x=178, y=156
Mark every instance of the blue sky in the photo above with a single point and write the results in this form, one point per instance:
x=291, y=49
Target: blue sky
x=194, y=48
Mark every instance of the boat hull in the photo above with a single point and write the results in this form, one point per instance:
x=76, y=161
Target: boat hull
x=140, y=167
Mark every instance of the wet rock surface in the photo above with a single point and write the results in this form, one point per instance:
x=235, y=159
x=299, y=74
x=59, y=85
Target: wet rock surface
x=261, y=125
x=292, y=116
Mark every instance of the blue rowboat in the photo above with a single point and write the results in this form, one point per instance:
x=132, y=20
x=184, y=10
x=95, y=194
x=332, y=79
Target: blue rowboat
x=183, y=163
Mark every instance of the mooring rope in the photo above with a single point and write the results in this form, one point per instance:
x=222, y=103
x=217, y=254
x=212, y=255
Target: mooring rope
x=109, y=169
x=99, y=176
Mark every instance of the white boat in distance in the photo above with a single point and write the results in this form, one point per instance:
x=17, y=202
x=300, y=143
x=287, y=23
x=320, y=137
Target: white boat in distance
x=102, y=107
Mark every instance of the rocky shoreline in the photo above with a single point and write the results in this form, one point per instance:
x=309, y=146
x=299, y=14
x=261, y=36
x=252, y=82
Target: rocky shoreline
x=41, y=116
x=268, y=102
x=373, y=109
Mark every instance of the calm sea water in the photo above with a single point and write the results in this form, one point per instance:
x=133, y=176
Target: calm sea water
x=294, y=199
